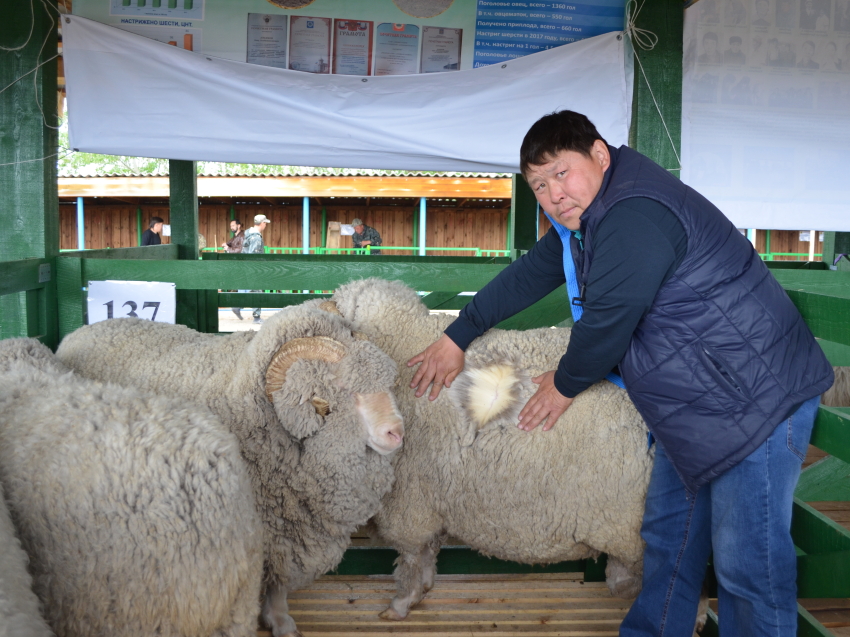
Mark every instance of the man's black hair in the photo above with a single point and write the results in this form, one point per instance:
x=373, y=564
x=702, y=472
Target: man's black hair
x=552, y=133
x=156, y=220
x=238, y=223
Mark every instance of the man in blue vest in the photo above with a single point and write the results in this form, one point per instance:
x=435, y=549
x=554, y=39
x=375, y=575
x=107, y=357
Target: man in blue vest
x=713, y=353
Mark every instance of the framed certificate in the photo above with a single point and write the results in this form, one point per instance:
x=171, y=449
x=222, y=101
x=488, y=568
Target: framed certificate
x=310, y=44
x=352, y=47
x=267, y=39
x=440, y=50
x=396, y=49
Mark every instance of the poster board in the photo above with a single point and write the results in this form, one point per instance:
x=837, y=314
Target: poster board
x=487, y=31
x=766, y=111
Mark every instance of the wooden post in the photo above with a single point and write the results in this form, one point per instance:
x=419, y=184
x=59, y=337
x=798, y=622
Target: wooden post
x=522, y=220
x=183, y=201
x=663, y=67
x=183, y=185
x=30, y=208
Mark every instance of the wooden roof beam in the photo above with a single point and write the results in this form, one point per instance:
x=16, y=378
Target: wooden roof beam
x=278, y=187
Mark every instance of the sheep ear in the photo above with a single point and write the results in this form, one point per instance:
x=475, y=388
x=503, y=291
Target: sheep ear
x=301, y=420
x=482, y=396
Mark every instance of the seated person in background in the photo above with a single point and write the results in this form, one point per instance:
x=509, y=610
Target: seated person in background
x=150, y=237
x=365, y=236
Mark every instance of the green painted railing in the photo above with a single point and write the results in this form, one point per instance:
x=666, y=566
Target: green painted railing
x=414, y=250
x=800, y=256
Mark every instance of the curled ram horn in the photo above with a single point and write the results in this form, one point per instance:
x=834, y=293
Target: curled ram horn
x=320, y=348
x=331, y=308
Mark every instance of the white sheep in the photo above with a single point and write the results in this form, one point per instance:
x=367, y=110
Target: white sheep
x=19, y=607
x=136, y=510
x=311, y=406
x=839, y=394
x=467, y=470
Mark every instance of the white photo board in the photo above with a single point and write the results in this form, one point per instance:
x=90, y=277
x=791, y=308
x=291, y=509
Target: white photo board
x=151, y=300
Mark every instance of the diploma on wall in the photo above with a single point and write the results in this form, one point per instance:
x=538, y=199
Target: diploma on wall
x=267, y=40
x=352, y=47
x=440, y=50
x=310, y=44
x=396, y=49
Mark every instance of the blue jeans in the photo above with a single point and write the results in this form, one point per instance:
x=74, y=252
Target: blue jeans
x=744, y=516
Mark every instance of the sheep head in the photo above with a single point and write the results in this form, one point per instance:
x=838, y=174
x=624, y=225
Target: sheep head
x=309, y=377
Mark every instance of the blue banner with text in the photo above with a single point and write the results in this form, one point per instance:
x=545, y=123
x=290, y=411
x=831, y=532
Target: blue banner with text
x=508, y=29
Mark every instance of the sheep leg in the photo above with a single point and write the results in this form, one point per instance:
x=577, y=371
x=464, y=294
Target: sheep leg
x=414, y=576
x=276, y=613
x=702, y=611
x=622, y=581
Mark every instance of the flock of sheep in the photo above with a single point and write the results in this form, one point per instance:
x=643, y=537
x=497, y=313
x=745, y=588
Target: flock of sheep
x=155, y=480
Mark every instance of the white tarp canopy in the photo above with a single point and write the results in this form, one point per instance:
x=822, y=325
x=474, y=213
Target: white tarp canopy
x=129, y=95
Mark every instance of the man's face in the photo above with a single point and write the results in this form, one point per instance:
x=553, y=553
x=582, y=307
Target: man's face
x=709, y=45
x=233, y=226
x=567, y=184
x=262, y=226
x=762, y=8
x=359, y=229
x=736, y=47
x=157, y=227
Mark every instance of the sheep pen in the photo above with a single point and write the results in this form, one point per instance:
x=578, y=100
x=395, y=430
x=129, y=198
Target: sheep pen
x=539, y=497
x=310, y=404
x=136, y=510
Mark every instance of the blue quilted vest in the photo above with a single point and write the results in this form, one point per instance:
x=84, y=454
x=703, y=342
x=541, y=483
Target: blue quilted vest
x=722, y=356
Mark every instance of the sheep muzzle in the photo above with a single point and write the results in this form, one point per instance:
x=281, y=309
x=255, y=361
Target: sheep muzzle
x=381, y=420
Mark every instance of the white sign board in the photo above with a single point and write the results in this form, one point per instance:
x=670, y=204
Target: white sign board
x=151, y=300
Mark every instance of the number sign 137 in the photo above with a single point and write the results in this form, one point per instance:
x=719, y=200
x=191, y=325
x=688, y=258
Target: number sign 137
x=133, y=306
x=149, y=300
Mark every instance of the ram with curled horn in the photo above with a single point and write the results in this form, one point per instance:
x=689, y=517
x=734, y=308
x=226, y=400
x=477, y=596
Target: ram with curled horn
x=311, y=405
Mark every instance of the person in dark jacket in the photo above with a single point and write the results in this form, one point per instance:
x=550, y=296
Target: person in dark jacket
x=365, y=236
x=150, y=237
x=713, y=353
x=234, y=246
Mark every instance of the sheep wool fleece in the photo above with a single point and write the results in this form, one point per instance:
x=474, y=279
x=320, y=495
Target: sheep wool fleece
x=19, y=607
x=136, y=511
x=314, y=479
x=533, y=497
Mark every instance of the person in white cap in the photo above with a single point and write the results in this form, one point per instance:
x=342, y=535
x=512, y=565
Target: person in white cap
x=253, y=244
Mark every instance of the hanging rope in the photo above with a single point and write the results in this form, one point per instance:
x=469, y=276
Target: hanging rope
x=47, y=7
x=646, y=40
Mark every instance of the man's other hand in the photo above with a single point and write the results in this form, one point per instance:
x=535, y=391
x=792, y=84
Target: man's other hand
x=547, y=404
x=441, y=362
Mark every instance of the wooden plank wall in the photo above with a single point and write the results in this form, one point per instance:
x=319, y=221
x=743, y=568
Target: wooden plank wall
x=115, y=226
x=780, y=241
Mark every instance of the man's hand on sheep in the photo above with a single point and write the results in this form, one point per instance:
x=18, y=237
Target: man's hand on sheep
x=547, y=404
x=441, y=362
